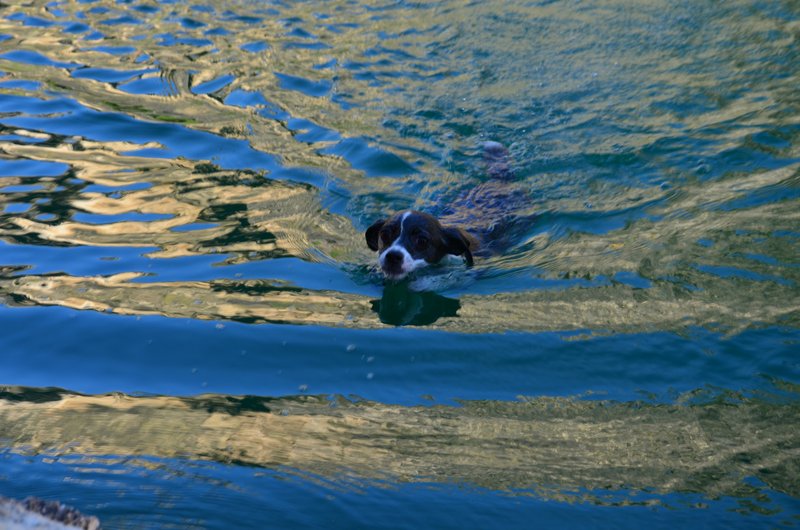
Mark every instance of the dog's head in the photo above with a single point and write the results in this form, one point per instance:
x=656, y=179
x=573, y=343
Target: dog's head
x=410, y=240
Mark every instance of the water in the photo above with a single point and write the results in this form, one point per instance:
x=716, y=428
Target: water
x=194, y=334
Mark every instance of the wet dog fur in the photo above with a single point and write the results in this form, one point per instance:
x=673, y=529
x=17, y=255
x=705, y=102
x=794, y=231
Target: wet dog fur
x=410, y=239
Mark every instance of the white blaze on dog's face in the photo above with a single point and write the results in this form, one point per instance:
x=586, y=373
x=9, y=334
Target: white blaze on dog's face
x=396, y=260
x=411, y=240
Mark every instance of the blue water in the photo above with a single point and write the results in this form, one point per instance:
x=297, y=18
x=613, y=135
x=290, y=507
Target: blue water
x=256, y=499
x=193, y=333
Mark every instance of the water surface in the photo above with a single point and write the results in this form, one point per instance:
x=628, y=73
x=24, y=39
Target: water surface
x=194, y=332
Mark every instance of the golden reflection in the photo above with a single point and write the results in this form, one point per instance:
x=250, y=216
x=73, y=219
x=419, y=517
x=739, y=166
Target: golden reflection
x=185, y=66
x=276, y=219
x=553, y=446
x=382, y=73
x=616, y=308
x=245, y=301
x=278, y=216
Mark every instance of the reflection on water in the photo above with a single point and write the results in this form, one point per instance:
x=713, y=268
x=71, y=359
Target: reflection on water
x=220, y=160
x=252, y=134
x=556, y=448
x=402, y=306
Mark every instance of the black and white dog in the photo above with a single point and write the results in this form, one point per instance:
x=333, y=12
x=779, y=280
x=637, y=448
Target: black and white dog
x=410, y=240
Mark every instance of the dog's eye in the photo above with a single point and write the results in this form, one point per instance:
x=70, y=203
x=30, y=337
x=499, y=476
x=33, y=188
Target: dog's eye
x=421, y=242
x=386, y=236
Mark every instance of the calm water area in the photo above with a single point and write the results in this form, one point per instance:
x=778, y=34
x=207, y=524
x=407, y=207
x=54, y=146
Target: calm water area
x=194, y=334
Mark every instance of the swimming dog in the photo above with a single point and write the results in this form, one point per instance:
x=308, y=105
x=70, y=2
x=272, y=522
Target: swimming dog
x=410, y=239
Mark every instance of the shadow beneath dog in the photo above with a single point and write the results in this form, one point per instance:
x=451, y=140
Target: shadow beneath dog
x=401, y=306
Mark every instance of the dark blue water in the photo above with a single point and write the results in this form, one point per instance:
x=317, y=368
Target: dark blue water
x=284, y=499
x=193, y=333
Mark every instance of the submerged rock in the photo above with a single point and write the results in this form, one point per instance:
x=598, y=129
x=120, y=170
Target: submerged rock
x=38, y=514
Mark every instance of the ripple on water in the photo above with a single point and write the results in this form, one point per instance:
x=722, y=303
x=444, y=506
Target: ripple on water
x=308, y=87
x=114, y=50
x=31, y=168
x=255, y=47
x=213, y=85
x=183, y=193
x=107, y=75
x=36, y=59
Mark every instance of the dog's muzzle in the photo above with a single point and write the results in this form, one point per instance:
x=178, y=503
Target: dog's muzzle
x=392, y=264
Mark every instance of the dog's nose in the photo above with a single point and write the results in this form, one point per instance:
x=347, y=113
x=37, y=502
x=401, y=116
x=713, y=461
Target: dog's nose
x=393, y=258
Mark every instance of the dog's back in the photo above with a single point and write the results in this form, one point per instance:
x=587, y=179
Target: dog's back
x=480, y=222
x=489, y=209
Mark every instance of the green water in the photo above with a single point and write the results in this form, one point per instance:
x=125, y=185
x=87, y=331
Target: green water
x=193, y=333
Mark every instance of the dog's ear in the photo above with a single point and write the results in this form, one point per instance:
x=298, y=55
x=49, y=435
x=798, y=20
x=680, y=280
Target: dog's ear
x=457, y=243
x=372, y=234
